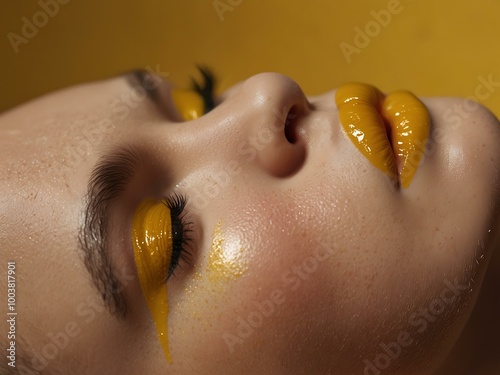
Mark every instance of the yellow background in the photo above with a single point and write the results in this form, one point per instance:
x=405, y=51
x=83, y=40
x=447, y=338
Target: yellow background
x=431, y=47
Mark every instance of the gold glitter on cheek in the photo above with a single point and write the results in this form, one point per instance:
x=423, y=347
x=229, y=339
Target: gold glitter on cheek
x=224, y=265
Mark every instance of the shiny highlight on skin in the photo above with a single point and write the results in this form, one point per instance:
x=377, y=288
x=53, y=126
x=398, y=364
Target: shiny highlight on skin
x=152, y=242
x=373, y=121
x=220, y=267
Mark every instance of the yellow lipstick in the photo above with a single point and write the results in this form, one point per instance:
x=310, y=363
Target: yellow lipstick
x=152, y=242
x=390, y=131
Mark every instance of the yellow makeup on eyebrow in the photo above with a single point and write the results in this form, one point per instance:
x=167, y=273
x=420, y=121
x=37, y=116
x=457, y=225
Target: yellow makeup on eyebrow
x=152, y=242
x=189, y=103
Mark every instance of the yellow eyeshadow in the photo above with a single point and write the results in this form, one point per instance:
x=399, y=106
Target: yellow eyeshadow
x=189, y=103
x=152, y=242
x=220, y=266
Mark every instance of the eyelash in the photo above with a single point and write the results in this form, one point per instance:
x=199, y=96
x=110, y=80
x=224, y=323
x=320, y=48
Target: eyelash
x=181, y=231
x=206, y=89
x=181, y=228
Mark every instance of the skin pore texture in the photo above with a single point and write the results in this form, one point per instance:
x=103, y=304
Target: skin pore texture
x=304, y=257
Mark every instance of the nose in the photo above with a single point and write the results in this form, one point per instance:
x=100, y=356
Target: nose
x=259, y=124
x=267, y=113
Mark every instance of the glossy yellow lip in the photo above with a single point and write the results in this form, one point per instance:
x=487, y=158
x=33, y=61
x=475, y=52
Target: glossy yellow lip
x=390, y=131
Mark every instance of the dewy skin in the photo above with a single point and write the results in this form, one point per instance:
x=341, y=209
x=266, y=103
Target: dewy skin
x=390, y=131
x=222, y=267
x=152, y=242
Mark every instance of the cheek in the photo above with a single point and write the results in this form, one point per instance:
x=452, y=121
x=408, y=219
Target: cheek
x=274, y=235
x=326, y=266
x=285, y=292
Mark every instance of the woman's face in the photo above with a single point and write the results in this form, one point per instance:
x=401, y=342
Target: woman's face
x=304, y=258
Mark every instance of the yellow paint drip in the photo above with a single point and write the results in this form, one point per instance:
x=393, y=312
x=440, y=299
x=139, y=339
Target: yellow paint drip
x=221, y=267
x=152, y=242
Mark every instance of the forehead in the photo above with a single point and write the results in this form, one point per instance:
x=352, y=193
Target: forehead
x=56, y=138
x=47, y=148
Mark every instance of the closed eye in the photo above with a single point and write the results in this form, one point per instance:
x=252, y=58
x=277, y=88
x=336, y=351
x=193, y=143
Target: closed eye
x=206, y=88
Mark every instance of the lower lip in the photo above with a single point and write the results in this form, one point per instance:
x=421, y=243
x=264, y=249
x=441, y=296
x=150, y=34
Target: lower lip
x=372, y=121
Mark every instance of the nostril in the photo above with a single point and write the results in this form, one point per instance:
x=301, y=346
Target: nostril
x=290, y=128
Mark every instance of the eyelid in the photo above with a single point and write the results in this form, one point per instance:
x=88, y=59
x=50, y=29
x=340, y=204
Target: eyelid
x=189, y=103
x=158, y=236
x=199, y=100
x=152, y=240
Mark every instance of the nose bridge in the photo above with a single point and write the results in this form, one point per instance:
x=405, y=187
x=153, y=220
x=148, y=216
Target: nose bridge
x=267, y=107
x=274, y=93
x=249, y=130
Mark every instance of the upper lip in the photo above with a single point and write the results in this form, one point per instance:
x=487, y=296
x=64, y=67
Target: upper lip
x=389, y=130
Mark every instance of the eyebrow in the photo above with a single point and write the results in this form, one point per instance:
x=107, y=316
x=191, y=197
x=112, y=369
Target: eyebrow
x=158, y=91
x=109, y=178
x=146, y=80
